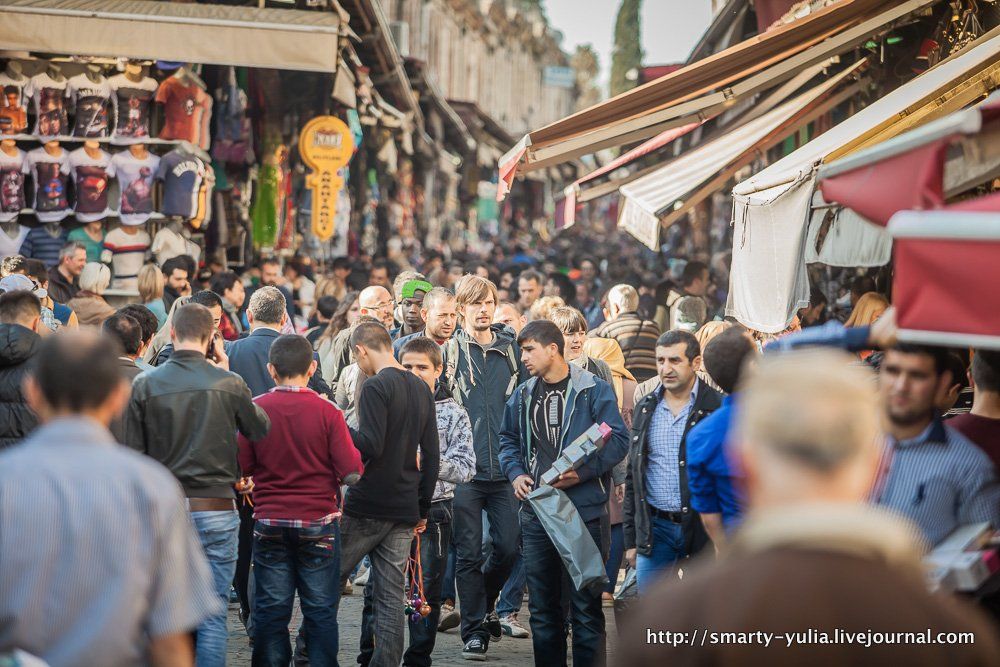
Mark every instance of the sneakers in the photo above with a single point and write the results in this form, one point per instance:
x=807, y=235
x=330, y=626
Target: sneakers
x=513, y=628
x=492, y=625
x=362, y=577
x=474, y=649
x=347, y=588
x=449, y=617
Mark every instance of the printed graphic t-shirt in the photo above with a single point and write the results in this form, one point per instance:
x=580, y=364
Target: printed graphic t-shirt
x=548, y=403
x=13, y=105
x=188, y=112
x=12, y=170
x=91, y=101
x=91, y=178
x=136, y=180
x=49, y=97
x=51, y=184
x=187, y=183
x=131, y=104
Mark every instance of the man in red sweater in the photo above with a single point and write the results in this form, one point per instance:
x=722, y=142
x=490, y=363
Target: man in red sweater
x=297, y=471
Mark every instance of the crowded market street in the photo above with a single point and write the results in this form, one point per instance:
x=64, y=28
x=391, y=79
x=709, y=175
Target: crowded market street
x=551, y=332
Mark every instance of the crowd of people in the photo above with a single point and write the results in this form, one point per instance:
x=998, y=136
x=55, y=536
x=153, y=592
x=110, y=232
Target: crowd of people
x=299, y=433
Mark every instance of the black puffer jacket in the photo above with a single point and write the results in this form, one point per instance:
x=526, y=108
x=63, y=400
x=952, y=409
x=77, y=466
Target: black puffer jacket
x=17, y=345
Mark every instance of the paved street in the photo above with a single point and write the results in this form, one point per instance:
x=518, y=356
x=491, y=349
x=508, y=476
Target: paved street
x=447, y=652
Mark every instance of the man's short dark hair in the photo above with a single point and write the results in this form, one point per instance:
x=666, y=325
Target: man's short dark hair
x=327, y=306
x=692, y=348
x=543, y=332
x=35, y=268
x=173, y=264
x=371, y=336
x=270, y=261
x=725, y=355
x=126, y=330
x=12, y=264
x=531, y=274
x=206, y=298
x=341, y=263
x=425, y=346
x=938, y=354
x=77, y=370
x=144, y=316
x=862, y=285
x=19, y=305
x=986, y=370
x=224, y=281
x=290, y=355
x=692, y=272
x=816, y=297
x=193, y=323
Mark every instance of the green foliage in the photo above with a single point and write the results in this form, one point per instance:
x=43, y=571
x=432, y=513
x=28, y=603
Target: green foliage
x=627, y=54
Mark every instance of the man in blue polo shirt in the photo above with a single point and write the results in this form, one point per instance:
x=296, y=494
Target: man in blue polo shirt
x=715, y=489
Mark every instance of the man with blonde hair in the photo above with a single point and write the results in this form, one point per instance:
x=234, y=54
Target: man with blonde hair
x=808, y=443
x=636, y=336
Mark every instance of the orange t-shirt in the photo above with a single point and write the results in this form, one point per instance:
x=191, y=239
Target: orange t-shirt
x=188, y=110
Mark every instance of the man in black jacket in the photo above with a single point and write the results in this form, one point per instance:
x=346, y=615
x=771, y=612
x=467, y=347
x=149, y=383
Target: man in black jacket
x=660, y=526
x=20, y=319
x=185, y=414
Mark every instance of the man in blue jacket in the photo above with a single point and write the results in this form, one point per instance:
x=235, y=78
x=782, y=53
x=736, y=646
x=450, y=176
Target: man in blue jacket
x=544, y=415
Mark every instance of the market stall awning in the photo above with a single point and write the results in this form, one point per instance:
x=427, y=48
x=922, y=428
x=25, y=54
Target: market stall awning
x=706, y=87
x=647, y=199
x=768, y=282
x=907, y=172
x=945, y=278
x=181, y=32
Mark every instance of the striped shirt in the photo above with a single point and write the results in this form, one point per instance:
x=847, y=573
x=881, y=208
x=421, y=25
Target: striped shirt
x=941, y=481
x=637, y=339
x=41, y=245
x=666, y=432
x=98, y=552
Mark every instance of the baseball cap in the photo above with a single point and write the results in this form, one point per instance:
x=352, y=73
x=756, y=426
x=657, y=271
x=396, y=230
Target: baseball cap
x=18, y=282
x=412, y=286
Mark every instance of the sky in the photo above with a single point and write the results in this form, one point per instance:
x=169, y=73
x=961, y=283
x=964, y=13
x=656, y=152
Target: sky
x=670, y=28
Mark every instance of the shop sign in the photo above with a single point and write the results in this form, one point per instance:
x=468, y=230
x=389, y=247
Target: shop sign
x=559, y=77
x=325, y=144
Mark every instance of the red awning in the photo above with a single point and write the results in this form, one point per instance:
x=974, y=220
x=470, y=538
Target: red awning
x=946, y=272
x=659, y=141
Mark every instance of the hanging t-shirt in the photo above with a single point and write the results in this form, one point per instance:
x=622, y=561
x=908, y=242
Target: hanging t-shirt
x=187, y=185
x=11, y=245
x=49, y=96
x=13, y=104
x=131, y=106
x=168, y=244
x=188, y=111
x=91, y=178
x=51, y=184
x=128, y=254
x=91, y=101
x=12, y=171
x=136, y=180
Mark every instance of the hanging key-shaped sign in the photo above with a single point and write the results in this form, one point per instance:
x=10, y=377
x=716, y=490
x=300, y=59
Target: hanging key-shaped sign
x=326, y=145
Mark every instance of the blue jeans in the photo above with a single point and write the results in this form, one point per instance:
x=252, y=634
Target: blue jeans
x=286, y=560
x=615, y=555
x=668, y=549
x=219, y=534
x=512, y=594
x=544, y=572
x=448, y=585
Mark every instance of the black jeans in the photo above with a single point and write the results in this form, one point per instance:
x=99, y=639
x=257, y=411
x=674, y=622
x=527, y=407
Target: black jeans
x=433, y=559
x=244, y=557
x=479, y=583
x=548, y=621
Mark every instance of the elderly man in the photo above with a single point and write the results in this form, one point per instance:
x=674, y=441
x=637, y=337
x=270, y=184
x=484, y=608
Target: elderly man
x=636, y=336
x=64, y=279
x=374, y=301
x=807, y=439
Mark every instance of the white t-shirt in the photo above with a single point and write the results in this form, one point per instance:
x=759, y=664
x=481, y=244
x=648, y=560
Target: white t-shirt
x=128, y=254
x=13, y=104
x=12, y=245
x=135, y=177
x=51, y=184
x=91, y=181
x=91, y=101
x=49, y=96
x=168, y=244
x=12, y=170
x=131, y=103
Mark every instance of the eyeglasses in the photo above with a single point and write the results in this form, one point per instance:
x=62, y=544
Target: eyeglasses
x=384, y=305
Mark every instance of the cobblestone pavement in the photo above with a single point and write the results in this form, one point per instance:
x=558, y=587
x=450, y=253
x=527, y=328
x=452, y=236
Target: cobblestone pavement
x=447, y=650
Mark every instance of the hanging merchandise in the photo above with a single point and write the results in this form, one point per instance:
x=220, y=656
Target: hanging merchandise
x=133, y=95
x=91, y=95
x=51, y=182
x=172, y=241
x=48, y=91
x=92, y=172
x=135, y=169
x=13, y=103
x=354, y=122
x=325, y=144
x=129, y=246
x=187, y=186
x=286, y=219
x=233, y=139
x=187, y=109
x=13, y=167
x=264, y=214
x=342, y=218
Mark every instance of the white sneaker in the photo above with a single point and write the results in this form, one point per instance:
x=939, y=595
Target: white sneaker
x=362, y=577
x=513, y=628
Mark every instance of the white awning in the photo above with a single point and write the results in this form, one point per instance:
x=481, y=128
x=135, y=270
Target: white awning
x=951, y=85
x=183, y=32
x=645, y=199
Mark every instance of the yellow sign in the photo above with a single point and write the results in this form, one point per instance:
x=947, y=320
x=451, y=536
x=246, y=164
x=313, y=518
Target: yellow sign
x=326, y=145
